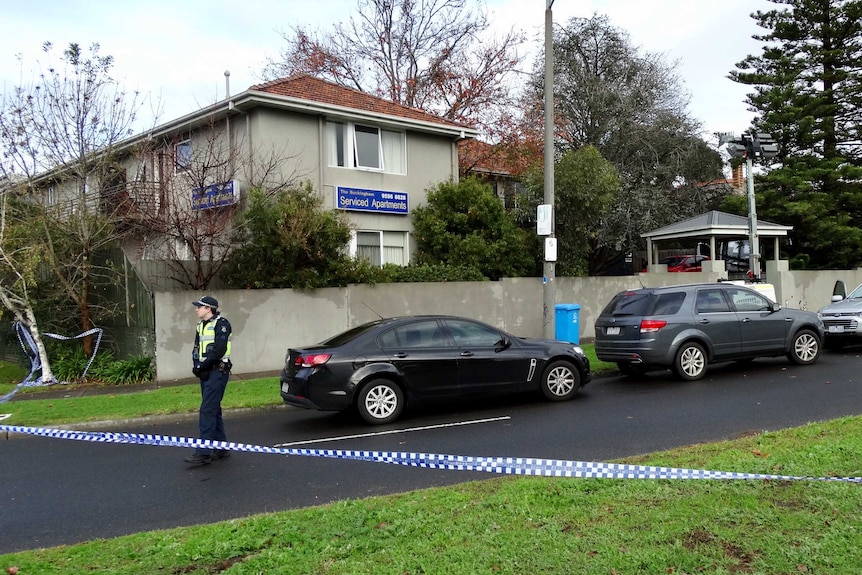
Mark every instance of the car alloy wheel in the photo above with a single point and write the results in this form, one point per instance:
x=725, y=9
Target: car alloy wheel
x=560, y=381
x=806, y=348
x=690, y=362
x=380, y=401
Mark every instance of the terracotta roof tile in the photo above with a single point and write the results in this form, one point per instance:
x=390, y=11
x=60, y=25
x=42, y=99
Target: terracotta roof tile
x=306, y=87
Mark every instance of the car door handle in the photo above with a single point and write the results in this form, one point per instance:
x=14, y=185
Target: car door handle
x=746, y=320
x=466, y=354
x=704, y=321
x=401, y=354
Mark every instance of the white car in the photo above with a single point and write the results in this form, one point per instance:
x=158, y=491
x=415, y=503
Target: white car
x=843, y=317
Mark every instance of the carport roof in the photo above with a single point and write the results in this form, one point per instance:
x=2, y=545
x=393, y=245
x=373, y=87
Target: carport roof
x=715, y=223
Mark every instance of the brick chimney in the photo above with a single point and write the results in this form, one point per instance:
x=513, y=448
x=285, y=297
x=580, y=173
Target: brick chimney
x=737, y=178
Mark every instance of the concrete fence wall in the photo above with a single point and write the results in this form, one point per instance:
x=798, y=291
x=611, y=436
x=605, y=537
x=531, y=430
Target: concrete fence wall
x=267, y=322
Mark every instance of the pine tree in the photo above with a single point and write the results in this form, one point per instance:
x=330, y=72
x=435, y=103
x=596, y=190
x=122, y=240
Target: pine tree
x=807, y=92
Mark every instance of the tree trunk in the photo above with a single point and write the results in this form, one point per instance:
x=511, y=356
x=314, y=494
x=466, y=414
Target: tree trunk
x=33, y=328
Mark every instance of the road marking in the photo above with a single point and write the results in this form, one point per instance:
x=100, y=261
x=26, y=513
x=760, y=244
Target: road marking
x=392, y=431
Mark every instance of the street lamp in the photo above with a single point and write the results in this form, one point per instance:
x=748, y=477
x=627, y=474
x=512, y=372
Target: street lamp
x=756, y=145
x=550, y=256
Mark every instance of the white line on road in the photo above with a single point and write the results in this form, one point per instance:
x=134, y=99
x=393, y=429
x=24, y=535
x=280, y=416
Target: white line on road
x=392, y=431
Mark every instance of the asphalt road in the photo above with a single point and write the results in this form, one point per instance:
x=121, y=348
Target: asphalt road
x=57, y=491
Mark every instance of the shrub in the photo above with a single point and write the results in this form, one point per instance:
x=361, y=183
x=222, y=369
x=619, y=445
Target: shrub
x=70, y=367
x=136, y=369
x=432, y=273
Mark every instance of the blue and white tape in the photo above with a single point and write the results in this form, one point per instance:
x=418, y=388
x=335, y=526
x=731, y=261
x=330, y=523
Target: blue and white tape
x=499, y=465
x=24, y=337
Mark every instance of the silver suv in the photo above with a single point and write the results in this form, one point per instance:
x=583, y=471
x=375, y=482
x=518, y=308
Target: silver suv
x=843, y=317
x=687, y=327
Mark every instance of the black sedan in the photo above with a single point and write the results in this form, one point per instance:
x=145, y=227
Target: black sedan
x=379, y=367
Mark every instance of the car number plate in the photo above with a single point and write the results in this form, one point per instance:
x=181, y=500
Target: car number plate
x=613, y=330
x=284, y=386
x=836, y=329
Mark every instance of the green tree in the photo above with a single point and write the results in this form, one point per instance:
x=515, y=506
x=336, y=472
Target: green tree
x=465, y=224
x=287, y=240
x=632, y=107
x=807, y=91
x=585, y=189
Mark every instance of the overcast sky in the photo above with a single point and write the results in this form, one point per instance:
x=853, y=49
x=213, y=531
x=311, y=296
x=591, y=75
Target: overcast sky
x=177, y=51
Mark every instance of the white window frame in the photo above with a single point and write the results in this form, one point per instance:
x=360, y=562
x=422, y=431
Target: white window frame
x=387, y=246
x=350, y=145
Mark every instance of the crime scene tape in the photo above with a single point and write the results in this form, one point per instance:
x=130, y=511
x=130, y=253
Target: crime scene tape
x=499, y=465
x=24, y=337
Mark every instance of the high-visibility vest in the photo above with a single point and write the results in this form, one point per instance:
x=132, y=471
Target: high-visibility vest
x=206, y=336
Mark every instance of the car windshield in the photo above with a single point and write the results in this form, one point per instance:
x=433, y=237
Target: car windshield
x=350, y=334
x=674, y=261
x=857, y=293
x=628, y=303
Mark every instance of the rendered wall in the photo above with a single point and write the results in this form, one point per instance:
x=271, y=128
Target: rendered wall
x=267, y=322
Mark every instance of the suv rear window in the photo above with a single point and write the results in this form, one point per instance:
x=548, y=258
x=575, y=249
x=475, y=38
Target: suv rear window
x=640, y=303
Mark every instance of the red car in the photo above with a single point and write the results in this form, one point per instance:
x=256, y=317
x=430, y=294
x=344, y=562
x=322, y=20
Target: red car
x=684, y=263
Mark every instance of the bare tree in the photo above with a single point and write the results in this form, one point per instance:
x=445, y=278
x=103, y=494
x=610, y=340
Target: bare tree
x=58, y=135
x=185, y=199
x=433, y=55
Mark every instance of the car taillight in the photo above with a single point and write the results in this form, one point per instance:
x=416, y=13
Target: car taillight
x=652, y=325
x=312, y=360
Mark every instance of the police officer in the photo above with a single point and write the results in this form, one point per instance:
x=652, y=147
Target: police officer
x=211, y=363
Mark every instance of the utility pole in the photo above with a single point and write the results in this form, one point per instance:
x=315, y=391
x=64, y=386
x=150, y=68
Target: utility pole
x=550, y=256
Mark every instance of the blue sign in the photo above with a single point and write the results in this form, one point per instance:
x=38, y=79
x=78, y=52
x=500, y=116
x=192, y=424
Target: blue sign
x=215, y=195
x=371, y=201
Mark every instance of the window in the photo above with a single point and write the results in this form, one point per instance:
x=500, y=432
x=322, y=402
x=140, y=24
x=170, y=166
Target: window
x=366, y=144
x=181, y=250
x=141, y=173
x=380, y=247
x=711, y=301
x=668, y=303
x=468, y=334
x=52, y=197
x=419, y=334
x=365, y=147
x=746, y=301
x=183, y=155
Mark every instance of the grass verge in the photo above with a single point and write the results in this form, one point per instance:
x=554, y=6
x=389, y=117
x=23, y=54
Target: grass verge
x=131, y=404
x=540, y=525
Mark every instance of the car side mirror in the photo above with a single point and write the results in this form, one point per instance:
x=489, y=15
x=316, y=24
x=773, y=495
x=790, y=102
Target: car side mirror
x=839, y=291
x=503, y=344
x=775, y=307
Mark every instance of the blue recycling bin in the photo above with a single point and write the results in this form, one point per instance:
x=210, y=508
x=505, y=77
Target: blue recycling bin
x=566, y=322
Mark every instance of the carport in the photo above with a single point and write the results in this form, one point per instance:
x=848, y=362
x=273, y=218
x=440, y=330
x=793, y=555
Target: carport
x=709, y=227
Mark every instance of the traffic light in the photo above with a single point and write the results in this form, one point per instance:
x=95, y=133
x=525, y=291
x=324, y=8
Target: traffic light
x=735, y=149
x=754, y=146
x=767, y=146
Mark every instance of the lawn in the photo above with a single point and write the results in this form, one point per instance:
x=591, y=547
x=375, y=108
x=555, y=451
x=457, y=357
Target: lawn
x=527, y=525
x=511, y=525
